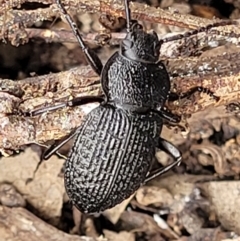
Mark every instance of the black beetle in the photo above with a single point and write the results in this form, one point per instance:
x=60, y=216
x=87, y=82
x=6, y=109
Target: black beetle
x=116, y=143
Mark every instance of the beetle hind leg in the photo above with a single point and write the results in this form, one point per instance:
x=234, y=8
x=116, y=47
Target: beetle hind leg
x=170, y=149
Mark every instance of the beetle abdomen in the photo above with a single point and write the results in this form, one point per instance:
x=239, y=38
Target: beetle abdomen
x=110, y=158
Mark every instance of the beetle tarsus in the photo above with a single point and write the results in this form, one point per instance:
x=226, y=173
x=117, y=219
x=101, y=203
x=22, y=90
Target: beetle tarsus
x=56, y=146
x=170, y=149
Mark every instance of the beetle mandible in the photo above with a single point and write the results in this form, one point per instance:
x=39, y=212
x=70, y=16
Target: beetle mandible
x=116, y=143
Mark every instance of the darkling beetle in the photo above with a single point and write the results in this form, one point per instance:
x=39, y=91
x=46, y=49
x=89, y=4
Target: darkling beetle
x=116, y=143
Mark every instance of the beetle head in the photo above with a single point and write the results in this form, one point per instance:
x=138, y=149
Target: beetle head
x=140, y=45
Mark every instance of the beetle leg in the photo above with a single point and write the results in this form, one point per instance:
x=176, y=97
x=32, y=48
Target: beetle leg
x=170, y=149
x=90, y=55
x=56, y=146
x=167, y=115
x=71, y=103
x=175, y=96
x=51, y=150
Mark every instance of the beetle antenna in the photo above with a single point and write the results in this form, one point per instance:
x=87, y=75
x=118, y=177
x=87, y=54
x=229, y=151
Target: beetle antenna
x=91, y=56
x=128, y=14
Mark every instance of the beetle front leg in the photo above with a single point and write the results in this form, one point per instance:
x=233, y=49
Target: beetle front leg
x=175, y=96
x=170, y=149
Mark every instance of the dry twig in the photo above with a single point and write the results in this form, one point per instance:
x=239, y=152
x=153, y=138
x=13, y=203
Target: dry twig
x=28, y=227
x=220, y=73
x=13, y=22
x=33, y=92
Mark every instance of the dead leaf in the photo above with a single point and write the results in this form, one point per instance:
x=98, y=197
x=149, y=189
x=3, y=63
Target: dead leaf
x=225, y=199
x=113, y=214
x=142, y=223
x=10, y=197
x=113, y=236
x=159, y=197
x=45, y=192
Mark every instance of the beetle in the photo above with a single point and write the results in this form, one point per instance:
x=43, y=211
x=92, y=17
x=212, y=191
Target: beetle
x=116, y=143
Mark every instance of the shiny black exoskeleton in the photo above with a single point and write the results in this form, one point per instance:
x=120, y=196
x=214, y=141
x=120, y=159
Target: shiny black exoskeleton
x=116, y=143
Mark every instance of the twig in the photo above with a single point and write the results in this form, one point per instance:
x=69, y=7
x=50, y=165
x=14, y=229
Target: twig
x=220, y=73
x=15, y=21
x=34, y=92
x=190, y=47
x=66, y=36
x=35, y=229
x=39, y=91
